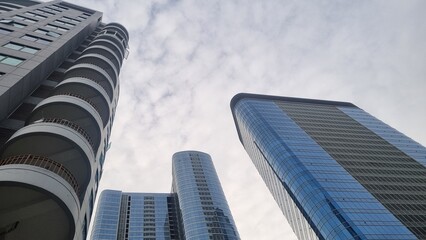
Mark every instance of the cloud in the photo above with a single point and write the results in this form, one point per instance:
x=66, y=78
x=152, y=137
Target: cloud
x=188, y=58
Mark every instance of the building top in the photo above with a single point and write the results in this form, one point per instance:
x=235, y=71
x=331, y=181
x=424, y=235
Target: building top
x=241, y=96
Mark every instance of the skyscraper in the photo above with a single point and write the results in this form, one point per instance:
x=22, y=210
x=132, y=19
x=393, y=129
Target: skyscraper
x=59, y=67
x=335, y=171
x=195, y=209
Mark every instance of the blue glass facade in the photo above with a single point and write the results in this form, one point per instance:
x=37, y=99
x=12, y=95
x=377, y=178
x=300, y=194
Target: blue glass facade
x=196, y=208
x=204, y=210
x=327, y=171
x=135, y=216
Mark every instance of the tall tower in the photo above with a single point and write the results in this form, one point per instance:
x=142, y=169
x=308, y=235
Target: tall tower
x=59, y=67
x=195, y=209
x=335, y=171
x=204, y=211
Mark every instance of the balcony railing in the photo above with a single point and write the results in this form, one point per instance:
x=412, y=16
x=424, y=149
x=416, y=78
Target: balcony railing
x=71, y=125
x=95, y=81
x=45, y=163
x=81, y=97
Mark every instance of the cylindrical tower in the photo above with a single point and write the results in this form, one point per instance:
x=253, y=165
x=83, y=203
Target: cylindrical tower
x=204, y=211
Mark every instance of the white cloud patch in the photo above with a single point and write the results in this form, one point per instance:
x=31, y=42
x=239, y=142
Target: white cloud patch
x=188, y=58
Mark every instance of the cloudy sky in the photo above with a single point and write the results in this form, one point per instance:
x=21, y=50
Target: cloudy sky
x=189, y=58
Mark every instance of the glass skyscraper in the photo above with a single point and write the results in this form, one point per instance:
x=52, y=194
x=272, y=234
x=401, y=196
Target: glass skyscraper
x=196, y=208
x=335, y=171
x=59, y=87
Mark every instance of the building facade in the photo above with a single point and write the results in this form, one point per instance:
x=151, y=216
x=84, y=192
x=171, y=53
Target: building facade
x=196, y=208
x=335, y=171
x=59, y=86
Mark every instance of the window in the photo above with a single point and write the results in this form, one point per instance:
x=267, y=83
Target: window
x=48, y=8
x=48, y=33
x=36, y=39
x=43, y=12
x=70, y=19
x=12, y=23
x=10, y=60
x=5, y=31
x=82, y=18
x=35, y=15
x=64, y=23
x=56, y=27
x=21, y=48
x=24, y=19
x=59, y=7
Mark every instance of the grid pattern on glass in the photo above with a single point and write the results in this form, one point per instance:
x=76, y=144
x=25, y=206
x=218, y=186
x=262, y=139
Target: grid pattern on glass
x=399, y=140
x=13, y=61
x=36, y=39
x=105, y=223
x=47, y=33
x=5, y=31
x=204, y=211
x=393, y=177
x=147, y=216
x=21, y=48
x=24, y=19
x=332, y=202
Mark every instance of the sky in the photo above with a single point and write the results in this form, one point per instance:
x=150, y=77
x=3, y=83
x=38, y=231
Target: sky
x=188, y=58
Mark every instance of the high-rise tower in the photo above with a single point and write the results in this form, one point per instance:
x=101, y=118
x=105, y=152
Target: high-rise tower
x=59, y=67
x=195, y=209
x=335, y=171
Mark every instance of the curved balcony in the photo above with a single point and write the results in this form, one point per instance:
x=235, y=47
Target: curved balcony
x=99, y=60
x=59, y=142
x=104, y=51
x=88, y=90
x=33, y=198
x=73, y=109
x=120, y=28
x=93, y=72
x=111, y=39
x=45, y=163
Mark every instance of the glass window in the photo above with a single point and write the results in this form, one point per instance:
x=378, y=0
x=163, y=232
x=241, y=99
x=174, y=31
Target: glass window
x=12, y=22
x=43, y=12
x=48, y=33
x=41, y=31
x=64, y=23
x=35, y=15
x=36, y=39
x=70, y=19
x=5, y=31
x=29, y=38
x=53, y=34
x=13, y=46
x=48, y=8
x=29, y=50
x=56, y=27
x=21, y=48
x=24, y=19
x=43, y=41
x=10, y=60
